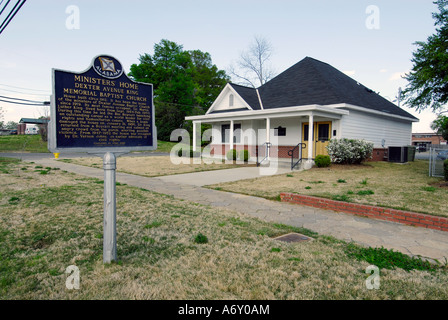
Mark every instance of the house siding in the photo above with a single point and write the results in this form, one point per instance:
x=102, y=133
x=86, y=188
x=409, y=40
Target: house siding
x=375, y=128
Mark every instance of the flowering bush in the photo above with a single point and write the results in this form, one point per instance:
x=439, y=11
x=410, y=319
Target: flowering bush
x=349, y=151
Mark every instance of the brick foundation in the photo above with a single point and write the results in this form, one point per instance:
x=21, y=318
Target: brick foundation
x=378, y=154
x=281, y=151
x=404, y=217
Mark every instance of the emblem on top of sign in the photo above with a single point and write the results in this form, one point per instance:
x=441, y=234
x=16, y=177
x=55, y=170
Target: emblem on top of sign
x=108, y=67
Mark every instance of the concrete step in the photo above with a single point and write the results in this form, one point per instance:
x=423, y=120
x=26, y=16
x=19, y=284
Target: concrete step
x=282, y=164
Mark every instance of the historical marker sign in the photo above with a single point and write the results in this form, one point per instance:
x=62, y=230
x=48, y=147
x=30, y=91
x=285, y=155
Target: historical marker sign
x=101, y=110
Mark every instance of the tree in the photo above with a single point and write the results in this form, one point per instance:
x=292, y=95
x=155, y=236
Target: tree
x=440, y=125
x=184, y=81
x=253, y=67
x=43, y=128
x=11, y=125
x=2, y=124
x=428, y=80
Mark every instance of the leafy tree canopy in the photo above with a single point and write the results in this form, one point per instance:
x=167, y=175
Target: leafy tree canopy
x=440, y=125
x=428, y=80
x=185, y=83
x=11, y=125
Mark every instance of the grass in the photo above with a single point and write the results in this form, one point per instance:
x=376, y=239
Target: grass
x=174, y=249
x=34, y=143
x=23, y=143
x=405, y=187
x=156, y=166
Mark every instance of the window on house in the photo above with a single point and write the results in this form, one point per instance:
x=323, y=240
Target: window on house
x=305, y=132
x=237, y=133
x=231, y=98
x=225, y=131
x=324, y=132
x=280, y=132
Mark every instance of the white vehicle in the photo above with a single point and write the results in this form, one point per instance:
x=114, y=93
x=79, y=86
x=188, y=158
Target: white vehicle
x=31, y=130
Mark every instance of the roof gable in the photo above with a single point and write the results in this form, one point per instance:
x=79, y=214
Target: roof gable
x=236, y=94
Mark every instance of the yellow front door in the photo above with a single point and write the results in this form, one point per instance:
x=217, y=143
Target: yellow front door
x=320, y=139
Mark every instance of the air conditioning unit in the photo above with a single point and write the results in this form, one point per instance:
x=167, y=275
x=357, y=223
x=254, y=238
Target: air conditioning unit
x=398, y=154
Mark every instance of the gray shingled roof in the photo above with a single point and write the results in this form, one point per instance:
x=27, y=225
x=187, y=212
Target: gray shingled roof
x=311, y=81
x=249, y=95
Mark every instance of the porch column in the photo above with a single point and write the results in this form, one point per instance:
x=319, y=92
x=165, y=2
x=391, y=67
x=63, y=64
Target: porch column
x=231, y=135
x=268, y=129
x=268, y=132
x=195, y=134
x=310, y=137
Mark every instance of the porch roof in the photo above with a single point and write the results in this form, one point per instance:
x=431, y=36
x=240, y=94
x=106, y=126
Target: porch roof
x=297, y=111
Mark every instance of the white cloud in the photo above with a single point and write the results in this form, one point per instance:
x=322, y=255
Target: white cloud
x=350, y=72
x=397, y=76
x=383, y=70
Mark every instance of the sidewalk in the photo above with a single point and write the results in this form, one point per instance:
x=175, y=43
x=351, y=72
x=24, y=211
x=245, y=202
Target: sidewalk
x=427, y=243
x=204, y=178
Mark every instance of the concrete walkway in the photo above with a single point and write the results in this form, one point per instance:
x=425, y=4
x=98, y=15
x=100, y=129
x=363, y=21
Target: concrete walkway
x=432, y=244
x=200, y=179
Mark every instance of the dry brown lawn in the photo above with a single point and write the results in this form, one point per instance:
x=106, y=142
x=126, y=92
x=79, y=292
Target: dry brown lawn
x=51, y=221
x=400, y=186
x=156, y=165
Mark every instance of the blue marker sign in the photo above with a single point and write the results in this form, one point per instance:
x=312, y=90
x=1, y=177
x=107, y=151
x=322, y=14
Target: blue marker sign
x=102, y=110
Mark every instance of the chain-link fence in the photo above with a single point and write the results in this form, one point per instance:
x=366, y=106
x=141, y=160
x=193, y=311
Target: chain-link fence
x=437, y=155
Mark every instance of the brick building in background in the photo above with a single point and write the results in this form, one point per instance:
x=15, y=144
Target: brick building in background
x=424, y=140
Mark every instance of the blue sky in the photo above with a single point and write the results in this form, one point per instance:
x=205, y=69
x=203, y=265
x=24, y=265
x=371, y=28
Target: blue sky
x=333, y=31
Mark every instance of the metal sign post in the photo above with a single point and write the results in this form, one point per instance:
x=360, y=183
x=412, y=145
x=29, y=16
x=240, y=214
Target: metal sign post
x=110, y=208
x=110, y=205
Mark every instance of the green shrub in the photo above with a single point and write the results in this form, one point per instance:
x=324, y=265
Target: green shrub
x=349, y=151
x=322, y=161
x=244, y=155
x=390, y=259
x=193, y=154
x=445, y=169
x=200, y=238
x=342, y=197
x=231, y=154
x=365, y=192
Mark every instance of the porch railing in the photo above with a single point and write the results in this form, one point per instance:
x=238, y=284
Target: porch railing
x=296, y=155
x=264, y=147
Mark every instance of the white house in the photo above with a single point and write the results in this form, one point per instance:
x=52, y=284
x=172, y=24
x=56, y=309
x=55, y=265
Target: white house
x=279, y=113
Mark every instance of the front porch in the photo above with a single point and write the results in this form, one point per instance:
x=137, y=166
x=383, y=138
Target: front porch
x=272, y=135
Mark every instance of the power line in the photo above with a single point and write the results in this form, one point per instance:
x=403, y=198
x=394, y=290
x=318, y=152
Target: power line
x=24, y=101
x=10, y=98
x=4, y=6
x=45, y=103
x=13, y=12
